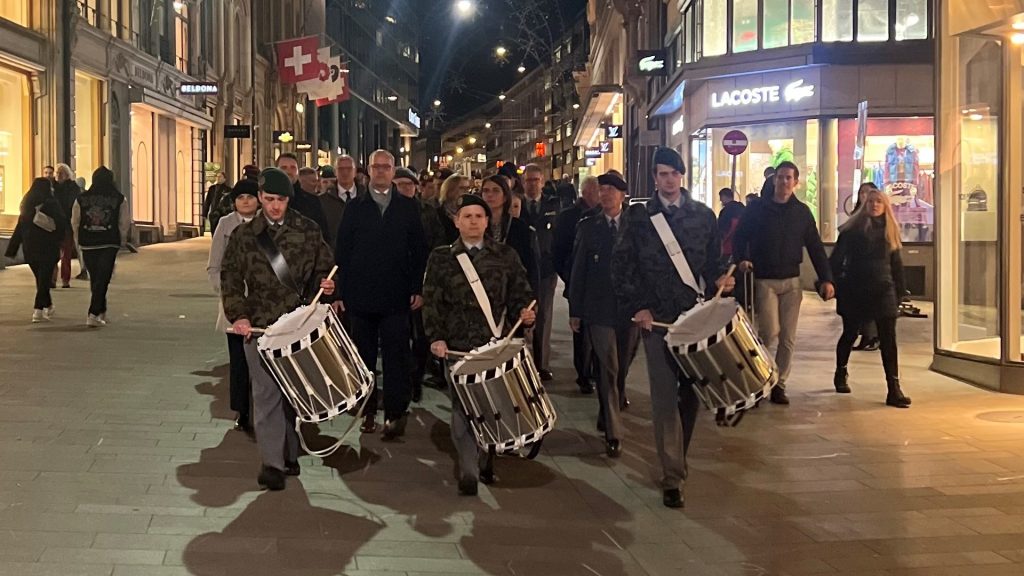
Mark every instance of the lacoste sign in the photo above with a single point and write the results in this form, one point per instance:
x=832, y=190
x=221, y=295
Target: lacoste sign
x=651, y=63
x=790, y=93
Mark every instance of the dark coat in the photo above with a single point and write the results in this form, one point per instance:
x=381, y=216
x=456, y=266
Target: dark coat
x=544, y=224
x=642, y=272
x=521, y=238
x=449, y=232
x=590, y=291
x=728, y=222
x=309, y=206
x=565, y=236
x=773, y=236
x=869, y=276
x=381, y=259
x=66, y=193
x=37, y=244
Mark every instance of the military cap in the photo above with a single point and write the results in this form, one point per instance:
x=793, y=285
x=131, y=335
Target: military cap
x=472, y=200
x=275, y=181
x=669, y=157
x=612, y=179
x=327, y=171
x=403, y=172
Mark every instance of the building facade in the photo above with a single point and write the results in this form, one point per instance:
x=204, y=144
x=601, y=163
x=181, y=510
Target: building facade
x=979, y=335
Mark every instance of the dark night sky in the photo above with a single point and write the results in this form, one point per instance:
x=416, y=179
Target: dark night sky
x=464, y=50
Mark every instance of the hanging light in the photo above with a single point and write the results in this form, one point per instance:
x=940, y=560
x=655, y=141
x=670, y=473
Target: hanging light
x=299, y=107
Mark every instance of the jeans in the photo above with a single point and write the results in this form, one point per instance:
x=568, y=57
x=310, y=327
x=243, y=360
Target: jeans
x=778, y=313
x=887, y=345
x=391, y=334
x=100, y=262
x=43, y=272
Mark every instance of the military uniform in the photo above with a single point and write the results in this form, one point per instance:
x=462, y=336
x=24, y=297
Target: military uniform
x=542, y=215
x=451, y=313
x=645, y=278
x=250, y=290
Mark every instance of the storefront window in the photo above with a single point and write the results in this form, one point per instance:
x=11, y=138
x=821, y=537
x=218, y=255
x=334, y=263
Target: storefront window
x=802, y=21
x=183, y=174
x=837, y=20
x=716, y=17
x=88, y=128
x=776, y=23
x=899, y=158
x=15, y=10
x=15, y=141
x=142, y=164
x=911, y=19
x=744, y=31
x=873, y=21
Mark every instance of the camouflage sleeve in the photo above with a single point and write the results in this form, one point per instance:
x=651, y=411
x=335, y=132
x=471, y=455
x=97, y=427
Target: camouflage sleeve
x=433, y=292
x=232, y=279
x=626, y=275
x=519, y=292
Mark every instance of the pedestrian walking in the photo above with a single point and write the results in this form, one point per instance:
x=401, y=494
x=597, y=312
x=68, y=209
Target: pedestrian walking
x=254, y=295
x=381, y=255
x=564, y=239
x=868, y=268
x=456, y=320
x=452, y=188
x=504, y=228
x=217, y=202
x=245, y=195
x=594, y=312
x=101, y=220
x=540, y=213
x=650, y=288
x=40, y=232
x=770, y=241
x=66, y=190
x=304, y=202
x=869, y=340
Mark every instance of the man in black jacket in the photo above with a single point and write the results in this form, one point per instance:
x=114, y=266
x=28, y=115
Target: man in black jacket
x=540, y=213
x=381, y=255
x=302, y=202
x=770, y=241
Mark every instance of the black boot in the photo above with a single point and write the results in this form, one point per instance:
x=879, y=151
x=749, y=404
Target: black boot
x=895, y=396
x=839, y=380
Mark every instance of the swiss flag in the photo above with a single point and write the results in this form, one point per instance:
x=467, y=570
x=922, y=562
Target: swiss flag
x=297, y=59
x=339, y=86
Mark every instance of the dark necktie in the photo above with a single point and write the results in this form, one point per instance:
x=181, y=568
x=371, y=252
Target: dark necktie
x=672, y=209
x=473, y=252
x=533, y=207
x=614, y=228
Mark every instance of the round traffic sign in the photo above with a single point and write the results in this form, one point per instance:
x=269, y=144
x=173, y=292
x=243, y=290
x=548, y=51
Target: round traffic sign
x=735, y=143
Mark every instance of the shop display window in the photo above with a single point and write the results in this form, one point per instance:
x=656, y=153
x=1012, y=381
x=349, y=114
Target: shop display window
x=88, y=127
x=744, y=31
x=16, y=11
x=802, y=21
x=142, y=164
x=837, y=20
x=872, y=20
x=911, y=19
x=15, y=140
x=776, y=23
x=716, y=18
x=899, y=158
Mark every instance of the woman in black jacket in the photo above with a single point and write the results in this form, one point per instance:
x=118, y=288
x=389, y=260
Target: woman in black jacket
x=868, y=331
x=866, y=261
x=506, y=229
x=40, y=246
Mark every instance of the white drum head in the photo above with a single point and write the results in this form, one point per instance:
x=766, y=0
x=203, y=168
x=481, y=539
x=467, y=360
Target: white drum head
x=701, y=322
x=488, y=357
x=293, y=327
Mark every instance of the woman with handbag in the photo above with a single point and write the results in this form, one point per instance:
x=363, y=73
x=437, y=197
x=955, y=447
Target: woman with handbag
x=867, y=261
x=42, y=227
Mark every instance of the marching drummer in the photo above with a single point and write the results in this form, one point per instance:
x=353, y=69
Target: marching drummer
x=455, y=321
x=651, y=287
x=255, y=295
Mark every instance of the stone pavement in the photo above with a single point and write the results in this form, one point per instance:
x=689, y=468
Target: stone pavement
x=117, y=458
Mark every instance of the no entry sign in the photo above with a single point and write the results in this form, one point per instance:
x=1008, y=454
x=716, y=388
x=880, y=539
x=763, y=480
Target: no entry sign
x=735, y=143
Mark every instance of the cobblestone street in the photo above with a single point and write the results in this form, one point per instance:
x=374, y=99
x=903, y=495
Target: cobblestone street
x=117, y=458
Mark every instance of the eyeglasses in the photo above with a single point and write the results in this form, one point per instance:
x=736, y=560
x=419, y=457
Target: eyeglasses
x=381, y=166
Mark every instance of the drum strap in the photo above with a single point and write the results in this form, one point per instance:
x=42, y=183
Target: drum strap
x=480, y=293
x=277, y=262
x=675, y=253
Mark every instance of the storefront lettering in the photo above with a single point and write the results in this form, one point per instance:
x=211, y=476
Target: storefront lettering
x=142, y=75
x=793, y=92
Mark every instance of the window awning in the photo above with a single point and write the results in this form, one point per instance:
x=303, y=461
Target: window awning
x=601, y=100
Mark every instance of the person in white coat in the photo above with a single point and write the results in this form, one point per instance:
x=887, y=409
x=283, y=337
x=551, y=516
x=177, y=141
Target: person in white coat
x=245, y=196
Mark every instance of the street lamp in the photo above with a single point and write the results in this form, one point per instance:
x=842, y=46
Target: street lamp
x=501, y=51
x=487, y=125
x=472, y=139
x=501, y=97
x=521, y=69
x=465, y=8
x=299, y=107
x=437, y=103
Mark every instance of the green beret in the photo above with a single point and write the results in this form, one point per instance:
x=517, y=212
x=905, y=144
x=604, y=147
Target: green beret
x=472, y=200
x=275, y=181
x=327, y=171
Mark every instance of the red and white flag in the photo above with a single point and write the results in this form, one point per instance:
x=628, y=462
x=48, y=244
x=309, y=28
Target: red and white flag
x=337, y=85
x=297, y=59
x=318, y=87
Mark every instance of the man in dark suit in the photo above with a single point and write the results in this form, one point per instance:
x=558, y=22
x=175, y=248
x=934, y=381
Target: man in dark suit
x=302, y=202
x=594, y=312
x=382, y=254
x=561, y=252
x=540, y=213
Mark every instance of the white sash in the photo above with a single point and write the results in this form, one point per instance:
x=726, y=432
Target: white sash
x=675, y=253
x=480, y=293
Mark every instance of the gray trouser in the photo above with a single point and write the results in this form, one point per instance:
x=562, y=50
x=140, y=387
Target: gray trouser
x=778, y=313
x=542, y=329
x=674, y=408
x=469, y=455
x=273, y=417
x=614, y=348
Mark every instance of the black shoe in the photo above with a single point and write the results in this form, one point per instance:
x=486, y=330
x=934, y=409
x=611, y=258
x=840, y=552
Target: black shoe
x=872, y=345
x=895, y=396
x=546, y=375
x=292, y=468
x=613, y=449
x=243, y=424
x=585, y=387
x=369, y=425
x=417, y=393
x=779, y=396
x=467, y=487
x=625, y=402
x=395, y=428
x=82, y=276
x=271, y=479
x=839, y=381
x=672, y=498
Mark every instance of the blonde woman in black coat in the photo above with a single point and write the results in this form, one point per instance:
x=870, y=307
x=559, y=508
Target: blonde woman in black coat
x=867, y=264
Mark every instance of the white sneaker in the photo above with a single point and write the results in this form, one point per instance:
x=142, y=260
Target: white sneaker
x=37, y=316
x=103, y=318
x=93, y=321
x=49, y=312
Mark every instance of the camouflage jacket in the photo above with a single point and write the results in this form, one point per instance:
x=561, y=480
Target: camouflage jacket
x=642, y=272
x=245, y=270
x=451, y=312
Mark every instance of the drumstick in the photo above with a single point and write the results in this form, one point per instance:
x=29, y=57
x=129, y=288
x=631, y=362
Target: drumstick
x=457, y=353
x=656, y=324
x=520, y=321
x=312, y=303
x=732, y=268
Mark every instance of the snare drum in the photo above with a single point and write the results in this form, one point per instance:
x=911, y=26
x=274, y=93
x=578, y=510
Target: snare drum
x=315, y=363
x=500, y=392
x=716, y=347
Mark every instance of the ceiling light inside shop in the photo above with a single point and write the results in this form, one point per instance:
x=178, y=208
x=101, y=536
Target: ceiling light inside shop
x=1017, y=38
x=390, y=19
x=392, y=98
x=976, y=117
x=1018, y=25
